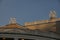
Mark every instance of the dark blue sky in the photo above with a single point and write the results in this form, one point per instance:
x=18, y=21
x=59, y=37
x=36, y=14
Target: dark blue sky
x=27, y=10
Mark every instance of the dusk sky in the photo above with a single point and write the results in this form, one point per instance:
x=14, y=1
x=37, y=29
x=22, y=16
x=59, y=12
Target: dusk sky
x=27, y=10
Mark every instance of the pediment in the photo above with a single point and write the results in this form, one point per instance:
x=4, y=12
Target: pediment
x=11, y=26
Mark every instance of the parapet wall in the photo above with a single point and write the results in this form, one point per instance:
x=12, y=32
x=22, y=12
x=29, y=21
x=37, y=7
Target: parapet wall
x=42, y=24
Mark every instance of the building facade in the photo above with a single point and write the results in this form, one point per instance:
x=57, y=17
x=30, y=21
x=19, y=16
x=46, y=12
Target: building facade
x=37, y=30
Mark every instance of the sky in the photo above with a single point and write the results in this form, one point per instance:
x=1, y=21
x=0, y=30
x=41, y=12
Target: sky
x=27, y=10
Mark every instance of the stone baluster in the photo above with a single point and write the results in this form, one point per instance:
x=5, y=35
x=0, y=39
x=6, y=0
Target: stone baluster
x=15, y=38
x=3, y=38
x=22, y=39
